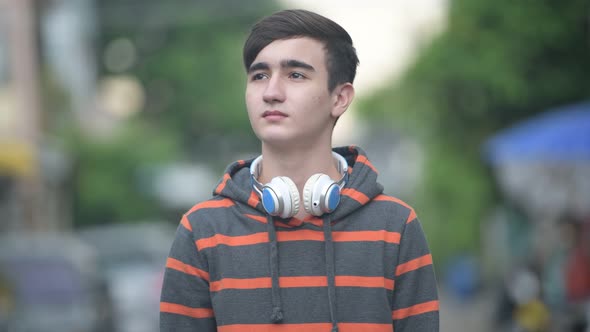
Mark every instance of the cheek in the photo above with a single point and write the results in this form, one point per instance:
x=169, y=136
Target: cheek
x=250, y=103
x=320, y=103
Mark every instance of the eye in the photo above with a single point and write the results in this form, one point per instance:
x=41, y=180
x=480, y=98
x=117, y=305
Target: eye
x=296, y=75
x=258, y=76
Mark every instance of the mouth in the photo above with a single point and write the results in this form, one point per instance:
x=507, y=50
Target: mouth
x=273, y=114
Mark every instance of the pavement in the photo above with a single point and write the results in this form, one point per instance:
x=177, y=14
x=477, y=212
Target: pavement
x=472, y=315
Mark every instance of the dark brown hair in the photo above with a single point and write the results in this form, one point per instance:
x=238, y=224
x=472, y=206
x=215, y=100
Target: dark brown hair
x=341, y=58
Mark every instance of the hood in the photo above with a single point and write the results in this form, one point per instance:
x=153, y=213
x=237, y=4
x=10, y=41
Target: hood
x=361, y=187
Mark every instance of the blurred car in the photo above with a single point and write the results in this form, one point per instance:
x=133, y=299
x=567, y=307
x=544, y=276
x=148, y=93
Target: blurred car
x=49, y=282
x=132, y=259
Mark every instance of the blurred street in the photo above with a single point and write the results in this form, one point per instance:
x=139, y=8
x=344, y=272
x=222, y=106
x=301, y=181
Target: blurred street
x=470, y=315
x=118, y=116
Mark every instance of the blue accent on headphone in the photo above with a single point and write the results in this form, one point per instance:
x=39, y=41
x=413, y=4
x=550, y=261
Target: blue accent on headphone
x=333, y=198
x=267, y=201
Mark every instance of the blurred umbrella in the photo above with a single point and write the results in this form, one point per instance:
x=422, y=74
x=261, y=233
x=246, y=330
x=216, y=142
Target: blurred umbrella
x=561, y=134
x=543, y=163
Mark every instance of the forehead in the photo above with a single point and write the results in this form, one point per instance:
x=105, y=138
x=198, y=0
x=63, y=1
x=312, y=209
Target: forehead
x=303, y=49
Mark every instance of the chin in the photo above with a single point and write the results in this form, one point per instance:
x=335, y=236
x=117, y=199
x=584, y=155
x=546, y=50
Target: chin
x=277, y=140
x=274, y=134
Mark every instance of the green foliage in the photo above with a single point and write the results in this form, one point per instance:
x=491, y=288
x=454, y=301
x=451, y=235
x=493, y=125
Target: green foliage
x=107, y=184
x=188, y=60
x=496, y=63
x=454, y=193
x=190, y=64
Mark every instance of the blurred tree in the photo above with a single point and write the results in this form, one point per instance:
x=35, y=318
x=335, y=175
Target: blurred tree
x=496, y=63
x=107, y=175
x=187, y=57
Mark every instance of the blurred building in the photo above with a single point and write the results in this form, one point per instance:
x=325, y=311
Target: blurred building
x=33, y=171
x=19, y=116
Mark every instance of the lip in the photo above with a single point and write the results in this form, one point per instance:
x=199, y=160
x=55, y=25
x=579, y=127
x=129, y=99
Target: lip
x=273, y=114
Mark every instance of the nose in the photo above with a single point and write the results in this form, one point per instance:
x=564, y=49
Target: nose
x=274, y=91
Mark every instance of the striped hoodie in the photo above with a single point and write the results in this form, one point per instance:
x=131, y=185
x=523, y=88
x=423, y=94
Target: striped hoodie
x=364, y=267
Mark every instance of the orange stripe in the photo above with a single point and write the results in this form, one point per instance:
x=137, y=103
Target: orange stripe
x=174, y=308
x=221, y=186
x=253, y=200
x=300, y=235
x=243, y=240
x=370, y=282
x=414, y=264
x=415, y=310
x=233, y=283
x=356, y=195
x=309, y=281
x=226, y=202
x=293, y=222
x=412, y=215
x=299, y=282
x=315, y=221
x=363, y=160
x=182, y=267
x=184, y=222
x=257, y=218
x=392, y=199
x=389, y=237
x=310, y=327
x=309, y=219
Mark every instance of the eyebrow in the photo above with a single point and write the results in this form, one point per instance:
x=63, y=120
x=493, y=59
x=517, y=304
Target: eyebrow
x=284, y=64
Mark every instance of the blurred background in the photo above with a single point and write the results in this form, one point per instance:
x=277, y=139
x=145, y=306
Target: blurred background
x=116, y=116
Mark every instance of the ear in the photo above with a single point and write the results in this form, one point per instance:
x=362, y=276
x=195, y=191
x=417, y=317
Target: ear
x=342, y=96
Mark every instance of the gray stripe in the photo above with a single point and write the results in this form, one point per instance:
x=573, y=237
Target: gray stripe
x=189, y=291
x=426, y=322
x=303, y=305
x=413, y=243
x=296, y=259
x=178, y=323
x=415, y=287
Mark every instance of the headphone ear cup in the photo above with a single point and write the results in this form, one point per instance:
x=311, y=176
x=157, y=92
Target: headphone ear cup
x=293, y=198
x=308, y=193
x=280, y=197
x=320, y=195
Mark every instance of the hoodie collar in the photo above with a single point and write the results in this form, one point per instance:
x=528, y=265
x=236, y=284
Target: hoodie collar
x=361, y=187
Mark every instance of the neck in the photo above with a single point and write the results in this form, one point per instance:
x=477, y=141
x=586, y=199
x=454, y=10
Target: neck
x=298, y=165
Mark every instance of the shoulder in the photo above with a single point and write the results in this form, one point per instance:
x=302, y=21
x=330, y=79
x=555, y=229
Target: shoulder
x=394, y=207
x=215, y=203
x=384, y=212
x=216, y=208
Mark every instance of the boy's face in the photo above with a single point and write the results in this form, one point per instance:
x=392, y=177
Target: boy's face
x=287, y=94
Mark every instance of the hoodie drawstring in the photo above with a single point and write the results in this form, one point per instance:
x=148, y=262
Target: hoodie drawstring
x=330, y=271
x=277, y=310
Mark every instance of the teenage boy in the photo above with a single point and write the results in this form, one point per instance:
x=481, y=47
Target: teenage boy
x=301, y=238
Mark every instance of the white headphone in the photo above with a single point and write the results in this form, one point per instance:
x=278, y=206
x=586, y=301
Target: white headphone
x=280, y=196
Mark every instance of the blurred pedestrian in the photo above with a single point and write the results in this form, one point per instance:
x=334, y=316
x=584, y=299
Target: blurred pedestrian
x=6, y=302
x=530, y=314
x=301, y=238
x=577, y=269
